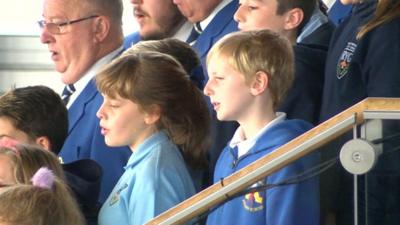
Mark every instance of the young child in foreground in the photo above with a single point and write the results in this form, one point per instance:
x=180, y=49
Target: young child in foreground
x=249, y=75
x=36, y=115
x=151, y=105
x=45, y=201
x=32, y=187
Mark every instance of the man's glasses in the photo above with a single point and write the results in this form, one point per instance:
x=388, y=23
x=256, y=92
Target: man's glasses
x=57, y=28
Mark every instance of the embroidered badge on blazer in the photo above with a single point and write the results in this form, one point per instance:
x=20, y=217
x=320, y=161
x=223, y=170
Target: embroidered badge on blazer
x=345, y=60
x=116, y=196
x=254, y=201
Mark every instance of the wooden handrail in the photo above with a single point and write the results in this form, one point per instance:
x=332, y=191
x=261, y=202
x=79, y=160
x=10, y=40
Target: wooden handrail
x=293, y=150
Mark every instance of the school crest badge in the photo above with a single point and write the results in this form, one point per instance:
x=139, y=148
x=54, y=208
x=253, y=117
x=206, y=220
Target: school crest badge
x=254, y=201
x=116, y=196
x=345, y=60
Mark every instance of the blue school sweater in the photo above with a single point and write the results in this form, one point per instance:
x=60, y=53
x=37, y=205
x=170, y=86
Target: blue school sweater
x=284, y=205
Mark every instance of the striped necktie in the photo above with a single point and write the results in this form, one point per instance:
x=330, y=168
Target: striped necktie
x=194, y=34
x=67, y=92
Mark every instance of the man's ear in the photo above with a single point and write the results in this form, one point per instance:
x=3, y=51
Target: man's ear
x=293, y=18
x=259, y=83
x=152, y=115
x=101, y=27
x=44, y=142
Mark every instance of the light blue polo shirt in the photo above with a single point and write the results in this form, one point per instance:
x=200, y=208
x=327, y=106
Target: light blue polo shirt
x=155, y=179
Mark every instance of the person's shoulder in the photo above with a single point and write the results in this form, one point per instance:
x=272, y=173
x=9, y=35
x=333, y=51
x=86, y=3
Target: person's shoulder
x=131, y=39
x=310, y=58
x=162, y=154
x=383, y=38
x=84, y=178
x=388, y=29
x=293, y=127
x=281, y=133
x=231, y=6
x=302, y=49
x=321, y=36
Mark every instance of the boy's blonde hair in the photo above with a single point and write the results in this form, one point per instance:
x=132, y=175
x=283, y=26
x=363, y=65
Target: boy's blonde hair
x=249, y=52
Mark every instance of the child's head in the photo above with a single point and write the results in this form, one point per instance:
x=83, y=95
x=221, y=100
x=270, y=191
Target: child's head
x=19, y=162
x=149, y=91
x=34, y=115
x=45, y=200
x=180, y=50
x=248, y=64
x=286, y=17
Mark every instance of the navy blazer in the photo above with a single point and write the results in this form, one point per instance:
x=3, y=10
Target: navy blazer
x=84, y=140
x=131, y=39
x=338, y=12
x=222, y=24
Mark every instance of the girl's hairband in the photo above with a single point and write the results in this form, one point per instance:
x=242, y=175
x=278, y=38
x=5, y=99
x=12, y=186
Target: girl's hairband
x=43, y=178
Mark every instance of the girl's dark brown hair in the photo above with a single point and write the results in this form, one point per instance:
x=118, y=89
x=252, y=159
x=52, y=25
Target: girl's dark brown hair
x=154, y=79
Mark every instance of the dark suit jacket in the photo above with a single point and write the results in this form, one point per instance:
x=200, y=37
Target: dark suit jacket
x=321, y=37
x=303, y=100
x=85, y=141
x=222, y=24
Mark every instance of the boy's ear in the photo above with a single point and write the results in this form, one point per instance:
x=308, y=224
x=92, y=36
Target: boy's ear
x=152, y=115
x=101, y=28
x=44, y=142
x=294, y=17
x=260, y=83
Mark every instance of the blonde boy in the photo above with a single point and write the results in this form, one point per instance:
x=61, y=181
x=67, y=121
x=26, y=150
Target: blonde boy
x=288, y=17
x=249, y=75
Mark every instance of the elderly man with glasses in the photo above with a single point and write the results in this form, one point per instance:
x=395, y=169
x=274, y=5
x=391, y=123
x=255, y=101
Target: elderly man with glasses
x=82, y=36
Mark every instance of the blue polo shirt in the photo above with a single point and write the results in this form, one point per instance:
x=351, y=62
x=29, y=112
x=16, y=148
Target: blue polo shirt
x=155, y=179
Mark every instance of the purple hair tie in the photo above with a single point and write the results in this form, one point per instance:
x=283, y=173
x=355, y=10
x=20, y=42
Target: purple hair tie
x=43, y=178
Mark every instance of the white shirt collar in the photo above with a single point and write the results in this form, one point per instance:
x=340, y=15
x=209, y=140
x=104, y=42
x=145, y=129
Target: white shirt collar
x=244, y=145
x=183, y=32
x=81, y=83
x=204, y=23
